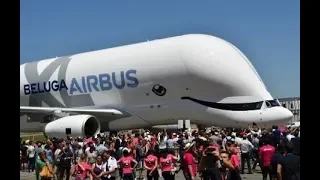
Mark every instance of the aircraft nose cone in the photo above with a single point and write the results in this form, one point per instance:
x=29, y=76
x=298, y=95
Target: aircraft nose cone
x=286, y=115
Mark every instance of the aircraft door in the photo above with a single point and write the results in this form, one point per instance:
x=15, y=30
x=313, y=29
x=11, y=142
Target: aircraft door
x=261, y=115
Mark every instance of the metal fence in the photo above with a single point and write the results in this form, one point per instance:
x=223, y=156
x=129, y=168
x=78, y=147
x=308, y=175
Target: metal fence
x=293, y=104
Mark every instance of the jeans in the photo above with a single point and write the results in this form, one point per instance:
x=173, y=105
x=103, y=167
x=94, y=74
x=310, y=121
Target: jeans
x=31, y=164
x=265, y=172
x=245, y=157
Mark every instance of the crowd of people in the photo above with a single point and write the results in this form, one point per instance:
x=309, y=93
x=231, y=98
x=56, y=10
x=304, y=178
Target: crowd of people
x=219, y=154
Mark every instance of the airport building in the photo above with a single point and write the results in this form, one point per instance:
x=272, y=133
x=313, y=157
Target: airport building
x=293, y=104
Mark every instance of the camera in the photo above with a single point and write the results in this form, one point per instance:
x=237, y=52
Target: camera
x=210, y=150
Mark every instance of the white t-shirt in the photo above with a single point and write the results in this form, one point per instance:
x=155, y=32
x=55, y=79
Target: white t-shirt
x=289, y=136
x=56, y=153
x=81, y=144
x=256, y=132
x=112, y=164
x=87, y=150
x=31, y=151
x=91, y=156
x=238, y=140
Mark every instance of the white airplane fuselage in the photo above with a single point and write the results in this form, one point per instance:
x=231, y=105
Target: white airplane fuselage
x=198, y=77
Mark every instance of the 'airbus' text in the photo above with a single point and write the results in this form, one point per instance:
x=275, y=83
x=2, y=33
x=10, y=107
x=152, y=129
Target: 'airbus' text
x=86, y=84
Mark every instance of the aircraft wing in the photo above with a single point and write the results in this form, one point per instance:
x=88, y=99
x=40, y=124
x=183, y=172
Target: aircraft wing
x=27, y=110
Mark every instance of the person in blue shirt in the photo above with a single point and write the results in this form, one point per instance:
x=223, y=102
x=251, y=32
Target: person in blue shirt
x=38, y=151
x=276, y=135
x=49, y=153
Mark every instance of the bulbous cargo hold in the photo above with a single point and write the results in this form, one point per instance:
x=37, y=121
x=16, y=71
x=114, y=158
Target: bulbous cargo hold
x=195, y=76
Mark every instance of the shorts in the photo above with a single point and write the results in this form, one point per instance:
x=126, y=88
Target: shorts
x=24, y=159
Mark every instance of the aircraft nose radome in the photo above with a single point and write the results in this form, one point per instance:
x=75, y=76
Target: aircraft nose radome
x=288, y=114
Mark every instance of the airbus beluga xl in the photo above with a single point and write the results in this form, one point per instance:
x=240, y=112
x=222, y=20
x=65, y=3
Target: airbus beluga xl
x=198, y=77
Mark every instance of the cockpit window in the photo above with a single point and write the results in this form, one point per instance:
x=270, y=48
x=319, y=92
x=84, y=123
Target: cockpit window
x=272, y=103
x=268, y=104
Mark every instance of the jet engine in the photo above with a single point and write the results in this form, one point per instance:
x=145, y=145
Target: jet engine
x=74, y=126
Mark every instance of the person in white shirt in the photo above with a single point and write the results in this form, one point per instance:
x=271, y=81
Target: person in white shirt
x=162, y=143
x=289, y=136
x=255, y=129
x=101, y=148
x=109, y=167
x=31, y=155
x=237, y=138
x=245, y=148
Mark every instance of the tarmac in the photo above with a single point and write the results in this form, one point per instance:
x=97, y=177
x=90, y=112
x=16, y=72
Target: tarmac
x=256, y=175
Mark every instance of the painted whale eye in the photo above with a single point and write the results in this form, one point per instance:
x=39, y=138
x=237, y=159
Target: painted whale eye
x=159, y=90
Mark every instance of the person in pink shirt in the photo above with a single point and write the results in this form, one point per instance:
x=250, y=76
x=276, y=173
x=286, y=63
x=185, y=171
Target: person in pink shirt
x=126, y=164
x=150, y=164
x=265, y=153
x=236, y=150
x=152, y=142
x=81, y=169
x=87, y=141
x=235, y=161
x=166, y=165
x=234, y=156
x=136, y=139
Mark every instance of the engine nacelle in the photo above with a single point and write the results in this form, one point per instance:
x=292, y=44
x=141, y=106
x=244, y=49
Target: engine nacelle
x=79, y=125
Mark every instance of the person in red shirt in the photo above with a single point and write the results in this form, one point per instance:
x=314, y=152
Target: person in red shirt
x=265, y=153
x=189, y=163
x=126, y=162
x=132, y=148
x=152, y=142
x=81, y=169
x=87, y=141
x=166, y=165
x=235, y=161
x=150, y=164
x=136, y=139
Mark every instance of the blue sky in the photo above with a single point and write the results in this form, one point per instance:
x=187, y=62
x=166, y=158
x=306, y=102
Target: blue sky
x=267, y=32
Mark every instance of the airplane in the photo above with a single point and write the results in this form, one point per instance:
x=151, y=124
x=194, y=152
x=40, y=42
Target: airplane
x=195, y=76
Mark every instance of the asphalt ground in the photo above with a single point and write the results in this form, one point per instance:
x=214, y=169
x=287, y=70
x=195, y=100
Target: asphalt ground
x=256, y=175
